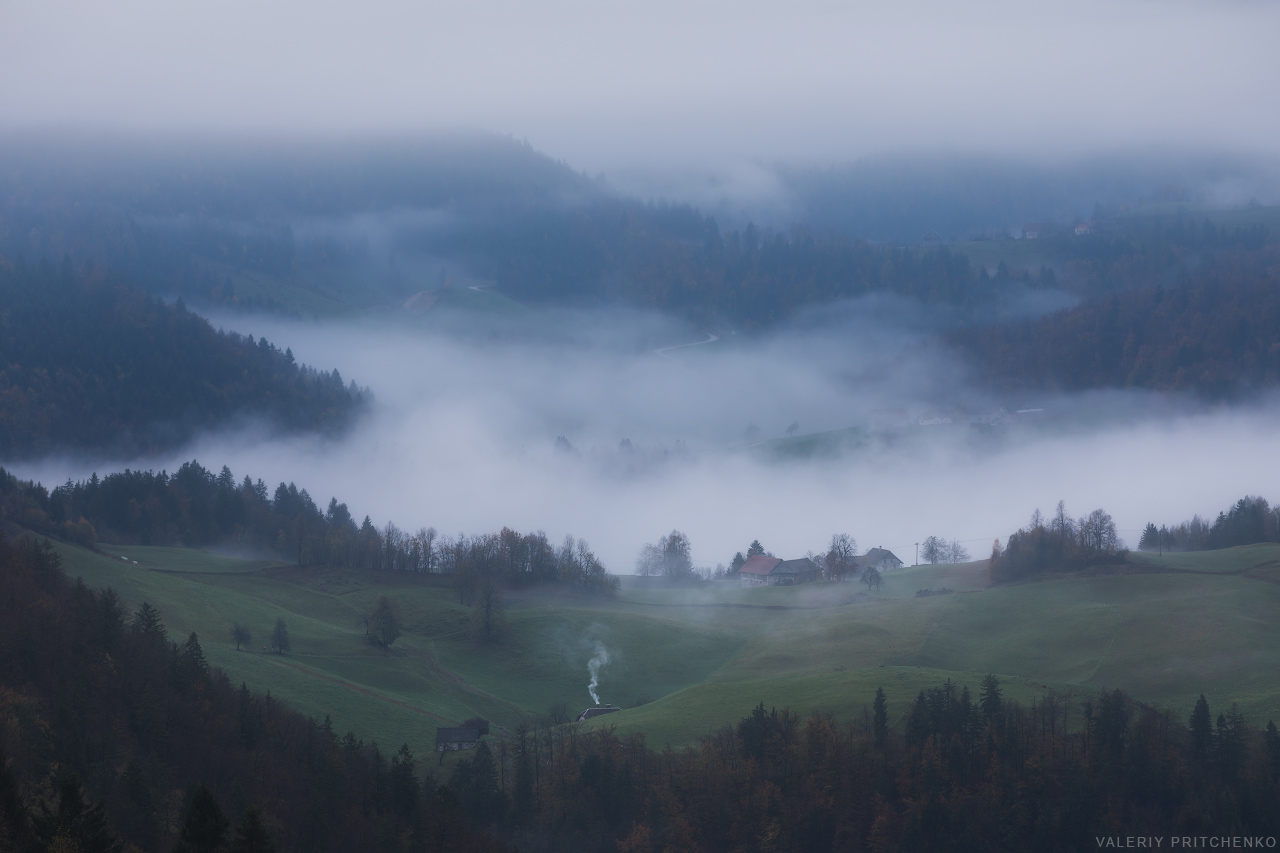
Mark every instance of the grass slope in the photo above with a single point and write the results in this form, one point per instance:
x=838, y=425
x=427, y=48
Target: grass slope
x=1250, y=559
x=685, y=661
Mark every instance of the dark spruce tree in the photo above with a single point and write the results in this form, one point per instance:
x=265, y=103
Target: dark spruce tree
x=147, y=622
x=74, y=825
x=1201, y=728
x=252, y=835
x=879, y=719
x=204, y=826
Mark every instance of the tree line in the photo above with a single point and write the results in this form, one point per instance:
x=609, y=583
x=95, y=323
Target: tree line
x=114, y=733
x=193, y=507
x=88, y=361
x=1055, y=544
x=1249, y=521
x=935, y=549
x=958, y=772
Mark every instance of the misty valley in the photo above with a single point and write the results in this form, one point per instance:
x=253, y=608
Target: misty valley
x=431, y=495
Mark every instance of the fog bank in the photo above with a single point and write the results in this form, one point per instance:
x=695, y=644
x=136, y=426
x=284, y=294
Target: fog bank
x=464, y=432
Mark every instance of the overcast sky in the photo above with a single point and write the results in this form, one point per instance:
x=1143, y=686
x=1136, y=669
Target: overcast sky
x=609, y=84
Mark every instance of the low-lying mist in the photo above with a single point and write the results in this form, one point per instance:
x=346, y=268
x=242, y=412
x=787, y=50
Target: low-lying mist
x=589, y=423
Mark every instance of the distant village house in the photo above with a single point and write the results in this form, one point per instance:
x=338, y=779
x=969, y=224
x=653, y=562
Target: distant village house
x=760, y=570
x=881, y=560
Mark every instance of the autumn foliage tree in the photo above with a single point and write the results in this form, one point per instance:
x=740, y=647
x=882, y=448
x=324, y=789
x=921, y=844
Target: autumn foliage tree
x=1059, y=543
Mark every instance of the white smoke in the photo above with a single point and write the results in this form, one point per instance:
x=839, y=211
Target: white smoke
x=599, y=660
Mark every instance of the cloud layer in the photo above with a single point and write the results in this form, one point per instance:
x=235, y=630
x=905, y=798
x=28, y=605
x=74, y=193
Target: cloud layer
x=608, y=84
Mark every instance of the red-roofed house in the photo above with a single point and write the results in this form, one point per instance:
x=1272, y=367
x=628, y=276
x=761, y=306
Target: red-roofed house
x=772, y=571
x=755, y=571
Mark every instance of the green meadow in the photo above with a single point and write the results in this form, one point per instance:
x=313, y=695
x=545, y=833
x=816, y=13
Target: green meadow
x=684, y=662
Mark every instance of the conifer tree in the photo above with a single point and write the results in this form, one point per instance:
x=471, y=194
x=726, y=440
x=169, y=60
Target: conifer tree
x=880, y=719
x=204, y=826
x=404, y=782
x=15, y=820
x=1272, y=739
x=252, y=835
x=1201, y=732
x=990, y=699
x=1150, y=539
x=146, y=621
x=76, y=825
x=476, y=782
x=1229, y=742
x=192, y=665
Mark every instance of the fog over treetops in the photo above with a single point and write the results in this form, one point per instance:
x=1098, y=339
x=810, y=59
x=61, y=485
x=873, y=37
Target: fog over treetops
x=464, y=433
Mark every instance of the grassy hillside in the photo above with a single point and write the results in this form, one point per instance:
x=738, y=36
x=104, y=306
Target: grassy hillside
x=1258, y=560
x=684, y=662
x=89, y=361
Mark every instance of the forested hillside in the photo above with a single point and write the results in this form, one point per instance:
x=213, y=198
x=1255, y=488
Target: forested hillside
x=93, y=696
x=332, y=228
x=1170, y=301
x=1215, y=330
x=90, y=362
x=966, y=772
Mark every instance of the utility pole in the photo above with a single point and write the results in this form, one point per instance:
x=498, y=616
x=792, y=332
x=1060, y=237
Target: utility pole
x=917, y=553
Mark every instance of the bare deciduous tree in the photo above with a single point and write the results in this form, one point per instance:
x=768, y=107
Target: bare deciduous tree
x=488, y=617
x=669, y=558
x=842, y=556
x=872, y=578
x=241, y=635
x=1098, y=532
x=935, y=549
x=426, y=539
